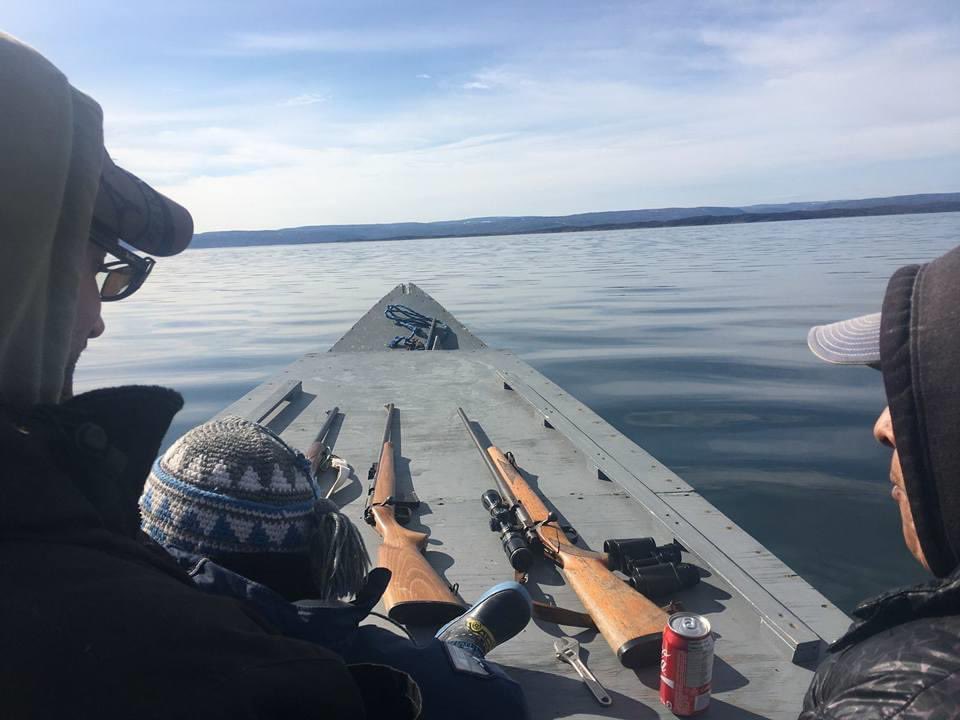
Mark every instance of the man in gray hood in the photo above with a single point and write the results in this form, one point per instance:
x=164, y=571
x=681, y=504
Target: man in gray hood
x=901, y=658
x=97, y=620
x=58, y=190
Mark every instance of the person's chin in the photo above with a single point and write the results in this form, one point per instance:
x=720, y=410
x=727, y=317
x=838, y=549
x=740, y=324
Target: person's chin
x=66, y=391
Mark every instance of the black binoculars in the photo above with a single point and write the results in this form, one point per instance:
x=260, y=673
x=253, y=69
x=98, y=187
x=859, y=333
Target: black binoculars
x=652, y=569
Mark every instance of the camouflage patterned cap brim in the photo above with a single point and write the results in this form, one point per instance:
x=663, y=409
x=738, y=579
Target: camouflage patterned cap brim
x=133, y=211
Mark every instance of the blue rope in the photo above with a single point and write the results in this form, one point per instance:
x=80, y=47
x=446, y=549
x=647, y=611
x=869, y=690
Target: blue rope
x=417, y=323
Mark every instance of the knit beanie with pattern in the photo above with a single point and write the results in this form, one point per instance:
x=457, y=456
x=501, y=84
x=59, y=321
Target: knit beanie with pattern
x=232, y=486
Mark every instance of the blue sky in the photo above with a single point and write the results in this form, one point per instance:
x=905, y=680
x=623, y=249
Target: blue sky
x=259, y=115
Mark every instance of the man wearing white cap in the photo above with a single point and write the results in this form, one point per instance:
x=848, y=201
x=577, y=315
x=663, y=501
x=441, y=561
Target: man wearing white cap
x=901, y=658
x=96, y=620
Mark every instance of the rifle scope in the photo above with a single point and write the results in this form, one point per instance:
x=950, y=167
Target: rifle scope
x=502, y=520
x=502, y=486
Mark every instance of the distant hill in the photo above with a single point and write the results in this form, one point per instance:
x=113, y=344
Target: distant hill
x=614, y=220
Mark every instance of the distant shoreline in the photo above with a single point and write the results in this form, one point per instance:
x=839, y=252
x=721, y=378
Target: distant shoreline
x=529, y=226
x=775, y=217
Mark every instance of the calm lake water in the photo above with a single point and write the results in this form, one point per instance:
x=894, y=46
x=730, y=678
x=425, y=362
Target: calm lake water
x=691, y=341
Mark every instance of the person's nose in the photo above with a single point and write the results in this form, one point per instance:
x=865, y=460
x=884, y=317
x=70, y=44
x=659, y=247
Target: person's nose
x=98, y=327
x=883, y=429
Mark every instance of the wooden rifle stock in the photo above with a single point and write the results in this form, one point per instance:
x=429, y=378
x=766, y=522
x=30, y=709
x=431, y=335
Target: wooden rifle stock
x=416, y=594
x=630, y=623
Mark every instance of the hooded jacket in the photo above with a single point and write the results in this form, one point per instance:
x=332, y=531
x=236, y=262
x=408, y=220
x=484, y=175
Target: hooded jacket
x=920, y=360
x=51, y=142
x=96, y=620
x=901, y=658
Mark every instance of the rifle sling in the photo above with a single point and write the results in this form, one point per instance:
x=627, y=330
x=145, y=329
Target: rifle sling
x=562, y=616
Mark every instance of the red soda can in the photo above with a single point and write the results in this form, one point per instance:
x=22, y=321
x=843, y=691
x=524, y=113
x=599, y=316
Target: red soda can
x=686, y=664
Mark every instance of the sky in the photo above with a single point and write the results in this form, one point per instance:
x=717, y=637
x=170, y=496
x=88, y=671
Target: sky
x=283, y=114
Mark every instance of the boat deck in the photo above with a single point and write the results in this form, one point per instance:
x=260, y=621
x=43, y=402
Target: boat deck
x=770, y=624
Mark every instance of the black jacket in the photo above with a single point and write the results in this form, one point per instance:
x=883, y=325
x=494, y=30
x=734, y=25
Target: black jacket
x=900, y=659
x=96, y=620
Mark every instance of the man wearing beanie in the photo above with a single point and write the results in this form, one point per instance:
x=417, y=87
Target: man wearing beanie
x=96, y=619
x=242, y=514
x=901, y=657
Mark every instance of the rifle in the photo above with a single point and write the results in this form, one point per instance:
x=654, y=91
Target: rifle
x=320, y=456
x=630, y=623
x=319, y=453
x=416, y=594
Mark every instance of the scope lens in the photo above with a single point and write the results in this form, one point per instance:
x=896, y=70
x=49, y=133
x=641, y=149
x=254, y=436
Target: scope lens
x=491, y=500
x=517, y=550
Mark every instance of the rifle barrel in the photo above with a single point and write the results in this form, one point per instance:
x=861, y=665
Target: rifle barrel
x=325, y=428
x=505, y=491
x=388, y=430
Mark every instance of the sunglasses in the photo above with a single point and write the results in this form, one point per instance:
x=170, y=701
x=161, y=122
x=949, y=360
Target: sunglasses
x=120, y=278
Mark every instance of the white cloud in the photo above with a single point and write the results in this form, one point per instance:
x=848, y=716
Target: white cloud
x=304, y=99
x=371, y=40
x=423, y=76
x=759, y=113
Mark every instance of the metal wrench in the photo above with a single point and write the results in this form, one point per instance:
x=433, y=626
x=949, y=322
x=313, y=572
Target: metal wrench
x=568, y=650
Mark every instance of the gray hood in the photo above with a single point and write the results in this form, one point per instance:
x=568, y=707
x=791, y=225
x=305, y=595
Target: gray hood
x=51, y=142
x=920, y=360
